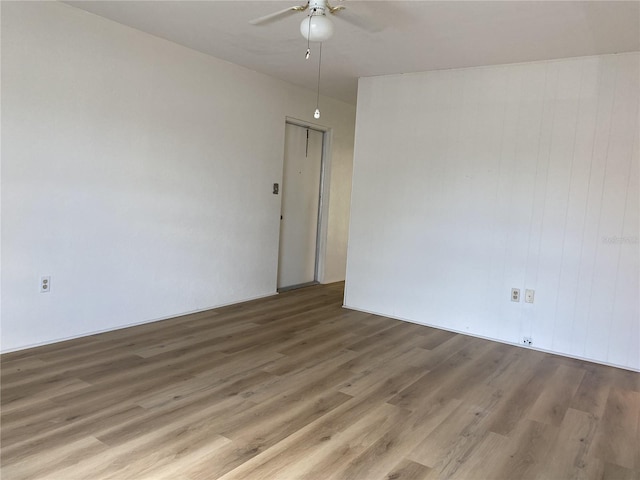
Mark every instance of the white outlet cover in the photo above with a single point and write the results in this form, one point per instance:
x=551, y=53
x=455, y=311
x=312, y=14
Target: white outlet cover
x=515, y=294
x=45, y=284
x=529, y=295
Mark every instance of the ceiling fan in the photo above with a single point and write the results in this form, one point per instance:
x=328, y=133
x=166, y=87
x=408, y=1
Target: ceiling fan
x=316, y=26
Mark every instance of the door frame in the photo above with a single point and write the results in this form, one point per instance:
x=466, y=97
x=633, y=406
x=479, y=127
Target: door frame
x=324, y=189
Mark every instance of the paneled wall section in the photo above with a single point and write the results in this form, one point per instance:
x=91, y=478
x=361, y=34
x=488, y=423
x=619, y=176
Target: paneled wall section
x=470, y=182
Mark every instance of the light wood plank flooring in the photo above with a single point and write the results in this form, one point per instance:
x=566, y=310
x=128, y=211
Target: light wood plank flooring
x=296, y=387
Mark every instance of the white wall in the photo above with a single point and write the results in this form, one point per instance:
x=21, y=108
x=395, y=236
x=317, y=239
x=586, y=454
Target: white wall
x=138, y=174
x=470, y=182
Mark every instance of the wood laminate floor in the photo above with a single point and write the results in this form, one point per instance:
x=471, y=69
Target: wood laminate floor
x=296, y=387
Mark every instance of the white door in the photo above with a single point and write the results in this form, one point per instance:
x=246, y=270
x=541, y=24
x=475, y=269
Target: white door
x=300, y=206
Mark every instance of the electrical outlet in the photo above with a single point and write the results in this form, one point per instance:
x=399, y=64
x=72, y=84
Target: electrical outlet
x=45, y=284
x=528, y=295
x=527, y=341
x=515, y=294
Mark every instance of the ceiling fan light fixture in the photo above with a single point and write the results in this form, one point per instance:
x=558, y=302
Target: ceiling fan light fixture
x=316, y=28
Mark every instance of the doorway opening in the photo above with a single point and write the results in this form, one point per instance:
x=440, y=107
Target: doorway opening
x=301, y=206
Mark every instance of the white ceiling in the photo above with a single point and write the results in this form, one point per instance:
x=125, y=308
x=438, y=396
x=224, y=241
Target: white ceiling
x=413, y=36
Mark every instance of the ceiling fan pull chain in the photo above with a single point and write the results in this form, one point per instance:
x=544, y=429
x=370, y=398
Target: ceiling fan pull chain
x=316, y=114
x=308, y=54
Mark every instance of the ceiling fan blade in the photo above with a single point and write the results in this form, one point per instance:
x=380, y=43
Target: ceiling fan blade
x=366, y=23
x=278, y=15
